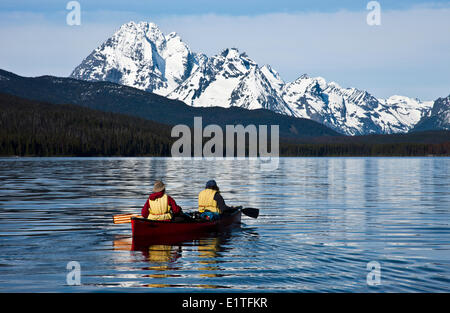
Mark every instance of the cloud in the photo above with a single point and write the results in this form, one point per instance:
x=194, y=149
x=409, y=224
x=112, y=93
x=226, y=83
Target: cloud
x=338, y=46
x=407, y=54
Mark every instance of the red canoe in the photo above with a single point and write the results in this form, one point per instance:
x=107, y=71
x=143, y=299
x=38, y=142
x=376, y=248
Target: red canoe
x=143, y=228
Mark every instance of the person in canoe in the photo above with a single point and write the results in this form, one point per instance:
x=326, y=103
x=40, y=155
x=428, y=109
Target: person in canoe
x=210, y=202
x=160, y=206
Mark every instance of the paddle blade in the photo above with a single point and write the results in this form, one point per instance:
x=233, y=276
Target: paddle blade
x=251, y=212
x=123, y=218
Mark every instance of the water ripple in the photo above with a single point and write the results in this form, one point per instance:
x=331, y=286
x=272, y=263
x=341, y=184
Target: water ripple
x=321, y=222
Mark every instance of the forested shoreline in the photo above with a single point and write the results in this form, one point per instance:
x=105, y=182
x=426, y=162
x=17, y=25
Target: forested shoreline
x=30, y=128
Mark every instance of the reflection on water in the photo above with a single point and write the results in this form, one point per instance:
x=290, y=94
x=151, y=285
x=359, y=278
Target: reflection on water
x=321, y=221
x=162, y=258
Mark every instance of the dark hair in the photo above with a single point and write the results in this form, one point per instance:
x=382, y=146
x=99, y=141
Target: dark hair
x=213, y=188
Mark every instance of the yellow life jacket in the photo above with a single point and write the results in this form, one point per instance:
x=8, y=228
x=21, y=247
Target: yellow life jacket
x=206, y=201
x=160, y=209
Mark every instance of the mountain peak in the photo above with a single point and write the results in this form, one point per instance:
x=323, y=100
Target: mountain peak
x=140, y=55
x=140, y=25
x=438, y=117
x=230, y=53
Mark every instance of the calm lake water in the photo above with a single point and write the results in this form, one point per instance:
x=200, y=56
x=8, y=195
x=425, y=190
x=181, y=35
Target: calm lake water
x=322, y=221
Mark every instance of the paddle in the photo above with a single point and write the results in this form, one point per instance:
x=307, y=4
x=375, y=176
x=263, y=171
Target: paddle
x=123, y=218
x=251, y=212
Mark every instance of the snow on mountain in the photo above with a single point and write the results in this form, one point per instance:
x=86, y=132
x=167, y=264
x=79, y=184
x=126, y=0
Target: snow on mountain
x=399, y=114
x=345, y=110
x=214, y=81
x=350, y=110
x=274, y=78
x=231, y=79
x=438, y=117
x=141, y=56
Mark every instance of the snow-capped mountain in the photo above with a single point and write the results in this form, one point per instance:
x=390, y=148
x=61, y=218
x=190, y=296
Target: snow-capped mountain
x=398, y=114
x=350, y=110
x=231, y=79
x=438, y=117
x=141, y=56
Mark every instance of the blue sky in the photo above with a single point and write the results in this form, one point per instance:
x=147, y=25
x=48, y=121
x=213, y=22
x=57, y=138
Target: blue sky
x=408, y=54
x=194, y=7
